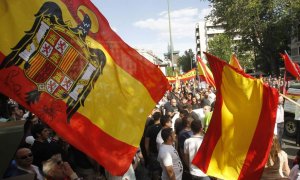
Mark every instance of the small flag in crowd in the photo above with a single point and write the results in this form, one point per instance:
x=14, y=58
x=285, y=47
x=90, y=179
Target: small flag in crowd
x=239, y=137
x=61, y=60
x=290, y=66
x=235, y=62
x=204, y=73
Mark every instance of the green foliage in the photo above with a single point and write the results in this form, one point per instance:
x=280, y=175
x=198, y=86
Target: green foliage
x=185, y=60
x=221, y=46
x=264, y=25
x=170, y=71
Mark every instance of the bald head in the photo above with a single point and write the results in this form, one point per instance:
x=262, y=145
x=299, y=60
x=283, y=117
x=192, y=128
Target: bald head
x=24, y=157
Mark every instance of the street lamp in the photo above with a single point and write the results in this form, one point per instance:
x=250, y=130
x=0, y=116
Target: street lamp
x=170, y=33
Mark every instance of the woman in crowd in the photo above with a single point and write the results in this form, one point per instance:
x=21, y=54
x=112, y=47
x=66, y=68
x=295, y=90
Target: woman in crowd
x=277, y=166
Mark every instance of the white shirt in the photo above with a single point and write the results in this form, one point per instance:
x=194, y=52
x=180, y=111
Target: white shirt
x=168, y=156
x=211, y=97
x=191, y=146
x=159, y=140
x=280, y=114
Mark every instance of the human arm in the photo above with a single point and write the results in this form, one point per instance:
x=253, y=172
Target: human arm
x=285, y=166
x=147, y=140
x=170, y=172
x=69, y=171
x=186, y=155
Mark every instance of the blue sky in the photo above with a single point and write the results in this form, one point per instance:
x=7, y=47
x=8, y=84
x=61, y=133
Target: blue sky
x=143, y=24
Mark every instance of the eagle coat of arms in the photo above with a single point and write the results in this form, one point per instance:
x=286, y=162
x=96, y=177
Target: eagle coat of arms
x=56, y=58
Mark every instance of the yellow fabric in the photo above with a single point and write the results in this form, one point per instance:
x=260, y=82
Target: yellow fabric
x=122, y=96
x=239, y=121
x=202, y=72
x=234, y=62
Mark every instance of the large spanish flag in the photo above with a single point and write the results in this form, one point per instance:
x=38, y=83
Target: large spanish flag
x=62, y=61
x=290, y=66
x=239, y=137
x=235, y=62
x=205, y=73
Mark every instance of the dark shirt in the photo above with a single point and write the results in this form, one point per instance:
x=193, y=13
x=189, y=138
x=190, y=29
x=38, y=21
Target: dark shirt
x=205, y=102
x=183, y=135
x=194, y=116
x=42, y=151
x=151, y=133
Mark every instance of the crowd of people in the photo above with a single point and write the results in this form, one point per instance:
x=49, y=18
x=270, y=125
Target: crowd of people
x=173, y=133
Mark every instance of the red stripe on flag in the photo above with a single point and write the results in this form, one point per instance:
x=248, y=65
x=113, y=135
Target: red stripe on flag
x=125, y=56
x=258, y=152
x=114, y=151
x=208, y=145
x=81, y=133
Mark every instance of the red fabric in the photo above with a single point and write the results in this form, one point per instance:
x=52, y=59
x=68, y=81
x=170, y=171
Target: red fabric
x=139, y=67
x=258, y=152
x=290, y=66
x=86, y=134
x=208, y=78
x=208, y=145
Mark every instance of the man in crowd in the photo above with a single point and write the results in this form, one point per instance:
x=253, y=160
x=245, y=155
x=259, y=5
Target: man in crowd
x=166, y=122
x=151, y=148
x=55, y=168
x=42, y=149
x=191, y=146
x=280, y=120
x=168, y=157
x=23, y=158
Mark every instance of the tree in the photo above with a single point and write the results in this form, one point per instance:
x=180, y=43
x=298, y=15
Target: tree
x=221, y=46
x=264, y=25
x=185, y=61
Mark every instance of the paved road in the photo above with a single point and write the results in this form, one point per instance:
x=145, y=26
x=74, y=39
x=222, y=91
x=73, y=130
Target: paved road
x=290, y=148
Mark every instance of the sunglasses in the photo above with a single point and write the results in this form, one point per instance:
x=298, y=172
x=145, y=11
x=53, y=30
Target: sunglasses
x=26, y=156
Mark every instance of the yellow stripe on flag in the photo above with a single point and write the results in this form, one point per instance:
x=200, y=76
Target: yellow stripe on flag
x=123, y=95
x=14, y=30
x=234, y=143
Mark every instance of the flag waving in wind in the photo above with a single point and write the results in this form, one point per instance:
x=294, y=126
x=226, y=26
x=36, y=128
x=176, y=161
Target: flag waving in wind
x=204, y=73
x=235, y=62
x=239, y=137
x=61, y=60
x=290, y=66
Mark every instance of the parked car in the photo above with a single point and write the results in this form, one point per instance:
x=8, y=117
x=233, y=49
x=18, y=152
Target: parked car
x=290, y=124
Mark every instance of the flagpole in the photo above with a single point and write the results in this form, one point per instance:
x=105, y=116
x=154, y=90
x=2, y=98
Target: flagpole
x=292, y=101
x=170, y=33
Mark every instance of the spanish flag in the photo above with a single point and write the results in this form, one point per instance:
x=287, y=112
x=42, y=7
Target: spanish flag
x=205, y=73
x=290, y=66
x=61, y=60
x=239, y=137
x=235, y=62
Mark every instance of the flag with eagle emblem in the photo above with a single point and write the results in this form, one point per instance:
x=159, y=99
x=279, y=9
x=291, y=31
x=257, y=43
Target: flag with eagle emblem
x=61, y=60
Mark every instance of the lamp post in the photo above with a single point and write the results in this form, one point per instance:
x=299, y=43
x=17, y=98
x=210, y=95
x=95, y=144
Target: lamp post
x=170, y=33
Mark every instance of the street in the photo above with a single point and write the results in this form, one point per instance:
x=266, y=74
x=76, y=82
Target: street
x=290, y=148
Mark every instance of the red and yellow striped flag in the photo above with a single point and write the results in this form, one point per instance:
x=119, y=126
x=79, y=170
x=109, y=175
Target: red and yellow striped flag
x=62, y=61
x=239, y=137
x=290, y=66
x=235, y=62
x=205, y=73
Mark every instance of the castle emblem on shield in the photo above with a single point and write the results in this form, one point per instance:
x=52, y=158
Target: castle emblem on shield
x=57, y=59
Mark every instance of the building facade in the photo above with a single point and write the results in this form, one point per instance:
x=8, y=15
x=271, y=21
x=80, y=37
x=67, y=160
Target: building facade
x=295, y=46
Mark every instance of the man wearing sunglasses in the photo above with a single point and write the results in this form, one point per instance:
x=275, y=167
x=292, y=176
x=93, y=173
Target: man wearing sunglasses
x=23, y=159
